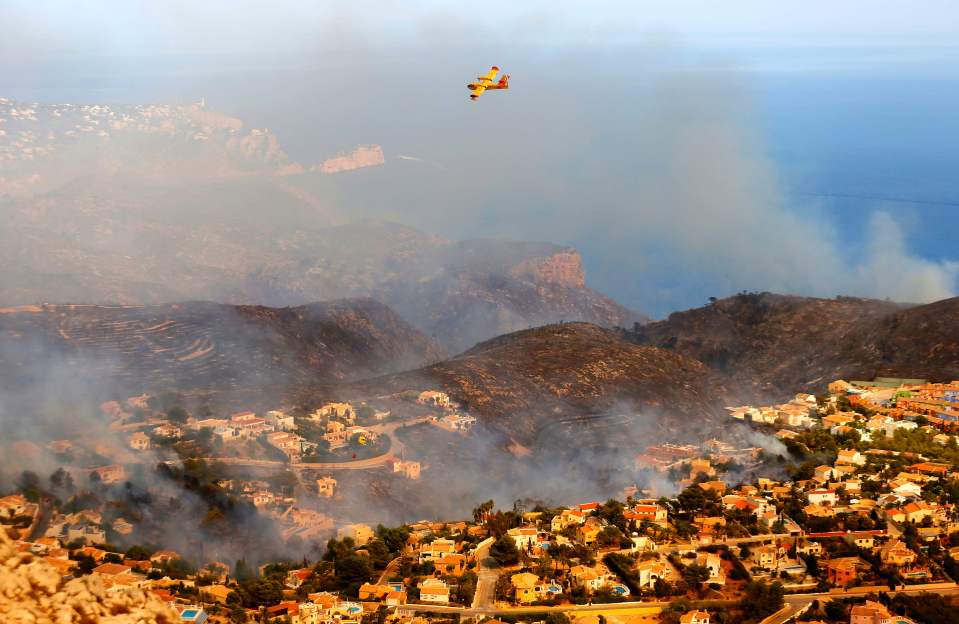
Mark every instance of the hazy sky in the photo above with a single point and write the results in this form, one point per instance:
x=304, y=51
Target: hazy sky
x=48, y=27
x=688, y=148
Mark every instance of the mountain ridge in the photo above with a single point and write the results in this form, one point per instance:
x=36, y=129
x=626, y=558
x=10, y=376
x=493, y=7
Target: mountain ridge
x=207, y=347
x=769, y=344
x=529, y=383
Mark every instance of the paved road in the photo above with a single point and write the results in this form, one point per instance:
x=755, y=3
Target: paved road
x=390, y=567
x=487, y=572
x=892, y=529
x=732, y=541
x=463, y=611
x=791, y=610
x=795, y=602
x=42, y=519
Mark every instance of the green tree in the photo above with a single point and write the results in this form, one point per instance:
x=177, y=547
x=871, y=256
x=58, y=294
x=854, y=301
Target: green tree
x=177, y=415
x=61, y=479
x=504, y=551
x=242, y=571
x=29, y=485
x=179, y=569
x=812, y=564
x=379, y=553
x=482, y=511
x=613, y=512
x=695, y=575
x=835, y=610
x=662, y=589
x=85, y=563
x=394, y=538
x=352, y=571
x=139, y=553
x=695, y=499
x=762, y=599
x=257, y=593
x=609, y=536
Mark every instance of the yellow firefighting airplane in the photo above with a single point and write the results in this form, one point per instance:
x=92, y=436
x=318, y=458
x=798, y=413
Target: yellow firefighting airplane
x=485, y=83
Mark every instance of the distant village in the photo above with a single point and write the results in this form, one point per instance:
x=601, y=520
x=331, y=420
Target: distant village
x=855, y=520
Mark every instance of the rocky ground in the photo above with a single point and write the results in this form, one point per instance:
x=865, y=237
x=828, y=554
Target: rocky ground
x=32, y=592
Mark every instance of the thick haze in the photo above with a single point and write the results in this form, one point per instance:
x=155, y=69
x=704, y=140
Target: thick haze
x=686, y=151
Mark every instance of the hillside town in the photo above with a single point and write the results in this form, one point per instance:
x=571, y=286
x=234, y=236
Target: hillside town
x=854, y=522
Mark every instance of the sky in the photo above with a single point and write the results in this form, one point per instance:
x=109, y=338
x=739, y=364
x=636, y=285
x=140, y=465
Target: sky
x=144, y=28
x=687, y=151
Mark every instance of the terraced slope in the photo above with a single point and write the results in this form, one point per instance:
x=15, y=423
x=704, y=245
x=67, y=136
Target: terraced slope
x=207, y=346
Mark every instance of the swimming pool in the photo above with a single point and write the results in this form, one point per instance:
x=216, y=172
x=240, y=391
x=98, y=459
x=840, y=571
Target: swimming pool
x=620, y=590
x=350, y=608
x=193, y=615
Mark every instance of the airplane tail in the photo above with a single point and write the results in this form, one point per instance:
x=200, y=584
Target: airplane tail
x=504, y=81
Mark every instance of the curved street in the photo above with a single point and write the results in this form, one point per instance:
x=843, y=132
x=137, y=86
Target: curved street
x=397, y=450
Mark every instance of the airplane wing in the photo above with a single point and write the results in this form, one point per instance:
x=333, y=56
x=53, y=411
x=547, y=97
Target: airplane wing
x=477, y=91
x=490, y=75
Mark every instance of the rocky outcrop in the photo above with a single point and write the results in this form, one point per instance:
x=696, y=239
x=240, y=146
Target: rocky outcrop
x=564, y=268
x=33, y=592
x=362, y=156
x=260, y=148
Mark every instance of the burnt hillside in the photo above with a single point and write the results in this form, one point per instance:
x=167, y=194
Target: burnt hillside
x=200, y=346
x=766, y=344
x=534, y=383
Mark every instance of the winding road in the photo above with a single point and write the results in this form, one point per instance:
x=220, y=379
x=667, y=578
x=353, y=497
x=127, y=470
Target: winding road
x=397, y=449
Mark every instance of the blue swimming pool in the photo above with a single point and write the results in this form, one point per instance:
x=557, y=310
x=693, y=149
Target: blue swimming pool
x=189, y=614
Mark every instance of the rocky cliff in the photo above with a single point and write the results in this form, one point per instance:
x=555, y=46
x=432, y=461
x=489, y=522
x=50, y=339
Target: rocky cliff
x=563, y=268
x=362, y=156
